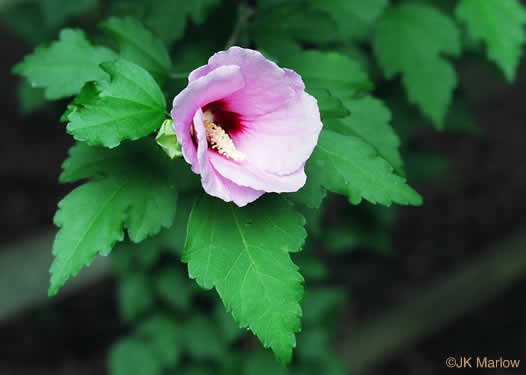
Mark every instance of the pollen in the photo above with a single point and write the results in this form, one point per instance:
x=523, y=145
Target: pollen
x=219, y=140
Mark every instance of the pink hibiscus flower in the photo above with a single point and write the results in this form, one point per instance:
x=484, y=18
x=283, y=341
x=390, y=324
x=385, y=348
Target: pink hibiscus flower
x=246, y=126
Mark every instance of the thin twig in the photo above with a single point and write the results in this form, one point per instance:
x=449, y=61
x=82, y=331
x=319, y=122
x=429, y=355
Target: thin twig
x=245, y=12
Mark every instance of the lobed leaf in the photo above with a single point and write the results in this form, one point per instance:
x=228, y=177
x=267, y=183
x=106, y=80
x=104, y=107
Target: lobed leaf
x=330, y=106
x=128, y=258
x=167, y=18
x=282, y=38
x=332, y=71
x=200, y=9
x=139, y=45
x=136, y=297
x=29, y=99
x=131, y=193
x=261, y=363
x=410, y=39
x=56, y=12
x=174, y=288
x=131, y=357
x=243, y=253
x=500, y=24
x=202, y=338
x=353, y=17
x=347, y=165
x=312, y=193
x=129, y=105
x=163, y=335
x=370, y=120
x=65, y=65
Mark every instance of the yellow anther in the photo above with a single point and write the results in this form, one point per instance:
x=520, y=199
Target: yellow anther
x=220, y=141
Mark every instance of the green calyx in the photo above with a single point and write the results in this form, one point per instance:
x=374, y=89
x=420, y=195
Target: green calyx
x=167, y=139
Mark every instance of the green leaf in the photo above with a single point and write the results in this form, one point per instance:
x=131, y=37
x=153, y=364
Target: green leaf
x=129, y=106
x=261, y=363
x=427, y=166
x=311, y=267
x=128, y=257
x=227, y=325
x=370, y=120
x=500, y=24
x=330, y=106
x=332, y=71
x=361, y=55
x=185, y=204
x=331, y=365
x=461, y=118
x=354, y=17
x=411, y=39
x=56, y=12
x=134, y=158
x=314, y=345
x=312, y=193
x=313, y=218
x=139, y=45
x=131, y=357
x=201, y=8
x=174, y=288
x=367, y=227
x=349, y=166
x=88, y=95
x=202, y=338
x=197, y=370
x=278, y=29
x=151, y=198
x=66, y=65
x=29, y=98
x=163, y=335
x=167, y=18
x=85, y=161
x=186, y=58
x=135, y=297
x=321, y=303
x=236, y=250
x=342, y=239
x=92, y=217
x=25, y=20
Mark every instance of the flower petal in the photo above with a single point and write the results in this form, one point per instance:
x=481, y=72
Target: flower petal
x=275, y=124
x=246, y=174
x=219, y=83
x=280, y=142
x=295, y=79
x=267, y=85
x=213, y=182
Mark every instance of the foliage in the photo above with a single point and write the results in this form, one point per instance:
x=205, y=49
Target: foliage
x=500, y=24
x=149, y=211
x=130, y=105
x=65, y=65
x=411, y=39
x=238, y=252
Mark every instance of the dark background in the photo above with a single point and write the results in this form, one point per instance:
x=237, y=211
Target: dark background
x=470, y=211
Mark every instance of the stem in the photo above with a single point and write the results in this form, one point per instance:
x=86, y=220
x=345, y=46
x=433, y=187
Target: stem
x=244, y=13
